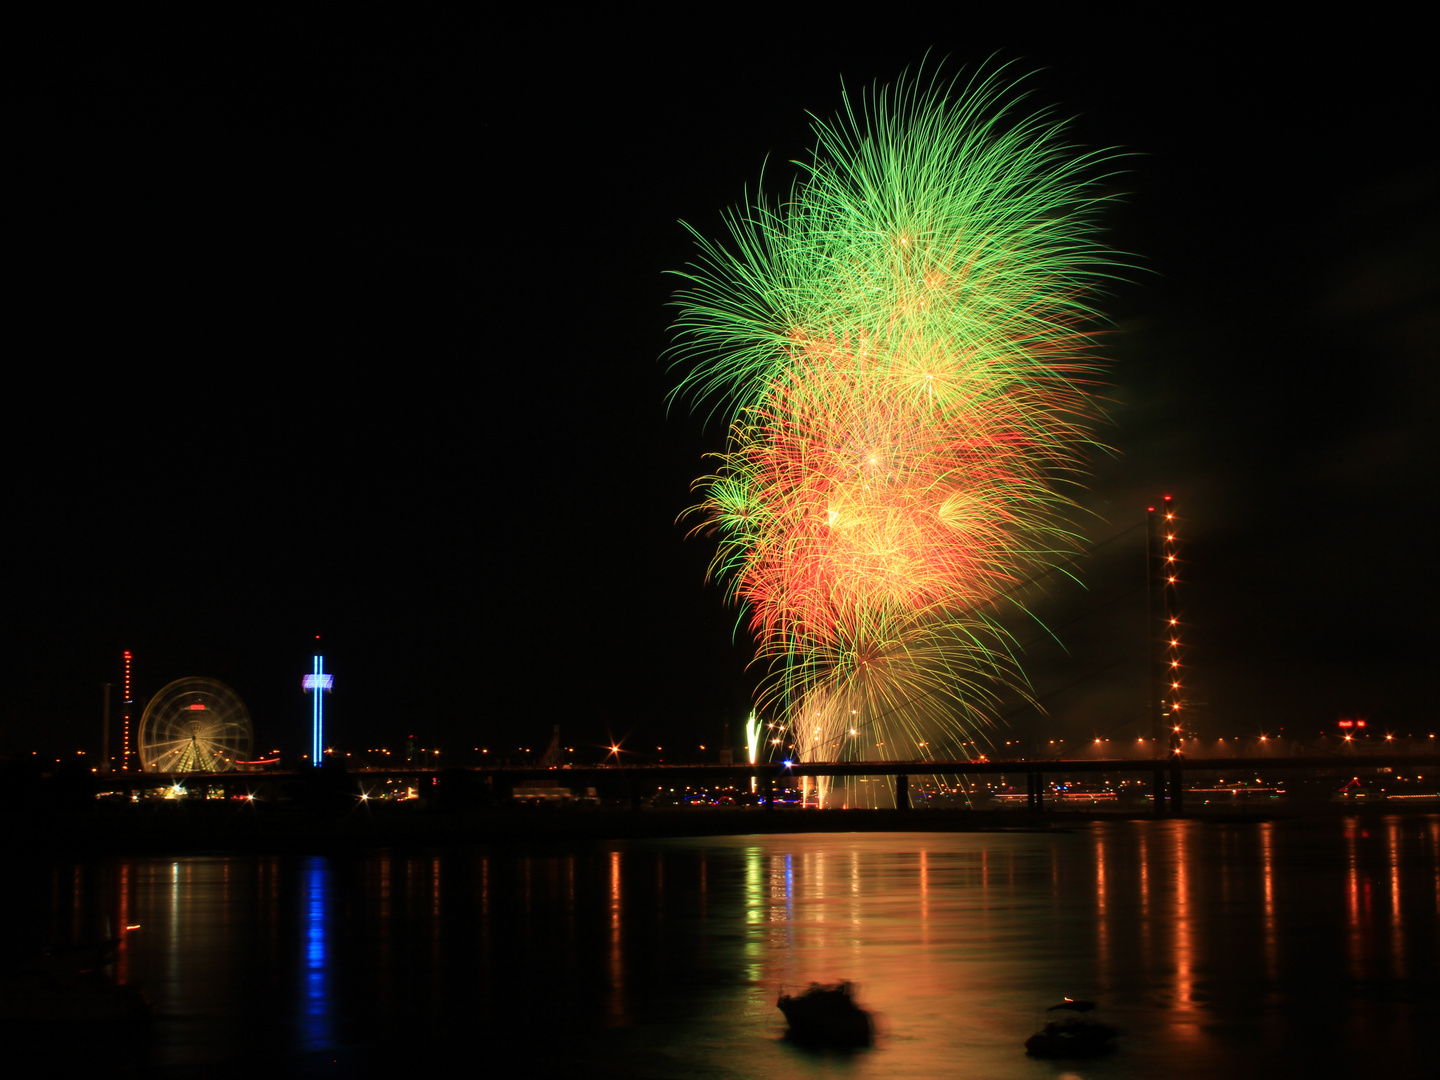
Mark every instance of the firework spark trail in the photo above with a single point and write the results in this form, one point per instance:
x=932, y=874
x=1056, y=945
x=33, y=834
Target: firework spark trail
x=899, y=345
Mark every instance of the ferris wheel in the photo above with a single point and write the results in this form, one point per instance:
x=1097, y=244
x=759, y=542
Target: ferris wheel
x=194, y=725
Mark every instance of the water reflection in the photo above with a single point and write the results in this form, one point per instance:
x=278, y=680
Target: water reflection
x=617, y=1010
x=1209, y=943
x=1357, y=900
x=754, y=913
x=316, y=1010
x=1179, y=857
x=1397, y=921
x=1103, y=915
x=1433, y=851
x=1267, y=877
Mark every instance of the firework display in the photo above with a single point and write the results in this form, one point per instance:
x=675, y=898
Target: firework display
x=900, y=348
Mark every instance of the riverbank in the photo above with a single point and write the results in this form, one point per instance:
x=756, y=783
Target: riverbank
x=218, y=827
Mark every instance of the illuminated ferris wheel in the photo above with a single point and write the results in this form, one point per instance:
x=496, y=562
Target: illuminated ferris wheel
x=194, y=725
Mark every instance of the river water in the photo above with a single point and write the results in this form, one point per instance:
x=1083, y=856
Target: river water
x=1219, y=950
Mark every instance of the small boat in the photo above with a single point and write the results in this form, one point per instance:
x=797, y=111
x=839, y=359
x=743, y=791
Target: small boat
x=826, y=1014
x=1072, y=1034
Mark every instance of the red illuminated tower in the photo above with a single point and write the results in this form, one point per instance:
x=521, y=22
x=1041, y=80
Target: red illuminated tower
x=1166, y=691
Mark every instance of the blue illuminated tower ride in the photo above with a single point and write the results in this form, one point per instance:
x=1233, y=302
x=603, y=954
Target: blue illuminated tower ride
x=319, y=683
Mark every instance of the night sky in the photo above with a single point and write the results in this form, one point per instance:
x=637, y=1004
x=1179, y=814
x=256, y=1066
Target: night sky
x=355, y=329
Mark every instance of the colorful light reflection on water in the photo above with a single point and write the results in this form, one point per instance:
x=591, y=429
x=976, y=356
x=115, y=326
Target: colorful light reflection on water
x=316, y=1005
x=1217, y=948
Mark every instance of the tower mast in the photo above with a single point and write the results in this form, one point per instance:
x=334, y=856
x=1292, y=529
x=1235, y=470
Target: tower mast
x=1166, y=696
x=318, y=683
x=129, y=708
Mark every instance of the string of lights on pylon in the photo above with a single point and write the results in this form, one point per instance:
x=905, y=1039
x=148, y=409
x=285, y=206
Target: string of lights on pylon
x=1168, y=692
x=129, y=710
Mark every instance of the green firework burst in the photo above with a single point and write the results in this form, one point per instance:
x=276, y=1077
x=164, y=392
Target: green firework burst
x=900, y=346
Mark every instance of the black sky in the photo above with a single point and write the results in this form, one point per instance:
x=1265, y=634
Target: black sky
x=354, y=327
